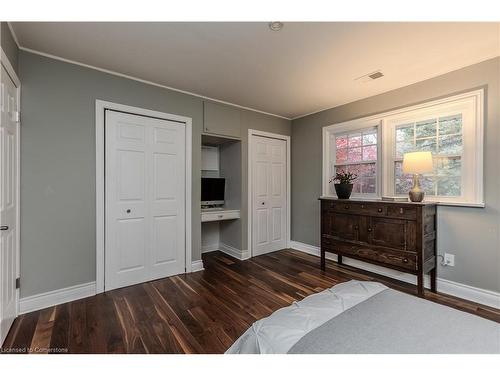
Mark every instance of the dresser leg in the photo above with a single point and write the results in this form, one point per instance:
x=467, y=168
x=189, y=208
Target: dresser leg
x=433, y=280
x=323, y=259
x=339, y=259
x=420, y=284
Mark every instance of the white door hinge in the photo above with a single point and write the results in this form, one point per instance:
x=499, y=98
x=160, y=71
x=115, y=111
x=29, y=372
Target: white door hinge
x=16, y=116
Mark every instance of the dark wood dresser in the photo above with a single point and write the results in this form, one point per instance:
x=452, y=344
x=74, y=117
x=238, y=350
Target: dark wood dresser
x=400, y=236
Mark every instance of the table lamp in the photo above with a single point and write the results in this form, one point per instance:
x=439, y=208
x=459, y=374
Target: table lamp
x=417, y=163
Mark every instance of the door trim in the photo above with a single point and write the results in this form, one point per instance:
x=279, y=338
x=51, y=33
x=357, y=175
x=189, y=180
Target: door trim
x=4, y=60
x=100, y=107
x=286, y=138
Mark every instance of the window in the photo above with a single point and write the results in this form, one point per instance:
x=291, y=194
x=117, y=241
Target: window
x=373, y=148
x=355, y=148
x=357, y=153
x=443, y=137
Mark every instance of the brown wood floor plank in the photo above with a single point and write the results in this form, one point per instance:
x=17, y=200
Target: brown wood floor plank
x=129, y=324
x=78, y=334
x=183, y=336
x=202, y=312
x=145, y=317
x=41, y=341
x=59, y=340
x=103, y=330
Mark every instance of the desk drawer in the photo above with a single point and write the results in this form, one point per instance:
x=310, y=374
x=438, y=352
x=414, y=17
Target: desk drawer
x=381, y=256
x=218, y=216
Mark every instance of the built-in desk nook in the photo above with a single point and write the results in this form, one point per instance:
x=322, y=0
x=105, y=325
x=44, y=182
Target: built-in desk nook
x=221, y=193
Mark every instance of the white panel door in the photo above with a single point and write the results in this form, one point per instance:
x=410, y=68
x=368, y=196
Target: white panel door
x=145, y=199
x=8, y=204
x=269, y=201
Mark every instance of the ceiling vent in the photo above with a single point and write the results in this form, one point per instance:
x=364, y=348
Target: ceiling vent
x=370, y=77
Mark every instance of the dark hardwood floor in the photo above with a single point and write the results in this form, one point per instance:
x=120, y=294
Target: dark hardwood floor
x=202, y=312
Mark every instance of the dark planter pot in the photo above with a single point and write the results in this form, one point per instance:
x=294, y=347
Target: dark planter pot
x=343, y=190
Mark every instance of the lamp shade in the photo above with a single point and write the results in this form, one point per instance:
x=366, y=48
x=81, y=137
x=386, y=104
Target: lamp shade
x=417, y=162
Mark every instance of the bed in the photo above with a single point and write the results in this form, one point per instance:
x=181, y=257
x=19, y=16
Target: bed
x=368, y=317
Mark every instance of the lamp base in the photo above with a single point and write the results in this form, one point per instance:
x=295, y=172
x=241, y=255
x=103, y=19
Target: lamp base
x=416, y=194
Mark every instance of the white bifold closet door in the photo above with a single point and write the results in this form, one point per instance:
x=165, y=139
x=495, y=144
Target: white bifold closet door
x=8, y=203
x=145, y=199
x=269, y=199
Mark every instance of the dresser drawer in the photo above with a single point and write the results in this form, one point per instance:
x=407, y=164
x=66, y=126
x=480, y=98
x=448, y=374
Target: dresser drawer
x=377, y=255
x=369, y=209
x=403, y=212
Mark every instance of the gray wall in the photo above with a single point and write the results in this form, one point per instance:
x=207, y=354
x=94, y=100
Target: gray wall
x=9, y=45
x=472, y=234
x=58, y=164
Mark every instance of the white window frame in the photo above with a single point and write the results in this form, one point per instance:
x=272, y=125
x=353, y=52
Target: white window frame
x=469, y=104
x=341, y=129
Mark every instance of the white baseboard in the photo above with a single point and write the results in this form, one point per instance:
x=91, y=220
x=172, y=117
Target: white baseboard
x=471, y=293
x=209, y=248
x=197, y=265
x=56, y=297
x=234, y=252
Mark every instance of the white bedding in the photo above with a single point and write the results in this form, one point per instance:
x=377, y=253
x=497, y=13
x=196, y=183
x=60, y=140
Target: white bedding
x=285, y=327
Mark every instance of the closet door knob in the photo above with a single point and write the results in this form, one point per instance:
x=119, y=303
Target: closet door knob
x=4, y=227
x=129, y=211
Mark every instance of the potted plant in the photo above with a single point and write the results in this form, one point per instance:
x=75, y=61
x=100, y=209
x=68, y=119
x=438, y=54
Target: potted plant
x=343, y=185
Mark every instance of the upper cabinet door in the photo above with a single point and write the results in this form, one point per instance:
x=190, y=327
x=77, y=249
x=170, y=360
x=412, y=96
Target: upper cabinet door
x=221, y=120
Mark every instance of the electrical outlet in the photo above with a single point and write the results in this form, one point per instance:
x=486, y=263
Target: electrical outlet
x=449, y=259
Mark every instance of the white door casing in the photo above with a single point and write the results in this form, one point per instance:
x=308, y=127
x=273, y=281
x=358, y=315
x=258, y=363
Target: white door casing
x=145, y=199
x=9, y=203
x=269, y=194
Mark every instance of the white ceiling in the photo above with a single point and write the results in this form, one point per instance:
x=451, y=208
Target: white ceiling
x=303, y=68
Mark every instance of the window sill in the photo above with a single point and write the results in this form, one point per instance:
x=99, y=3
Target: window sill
x=461, y=204
x=449, y=204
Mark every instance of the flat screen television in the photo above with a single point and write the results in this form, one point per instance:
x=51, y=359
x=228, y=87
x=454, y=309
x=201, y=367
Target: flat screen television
x=212, y=191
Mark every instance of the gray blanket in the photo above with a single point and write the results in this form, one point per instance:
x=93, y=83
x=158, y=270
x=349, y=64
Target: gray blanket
x=394, y=322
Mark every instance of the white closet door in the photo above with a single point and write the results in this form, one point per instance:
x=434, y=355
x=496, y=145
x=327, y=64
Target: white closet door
x=8, y=204
x=145, y=199
x=269, y=195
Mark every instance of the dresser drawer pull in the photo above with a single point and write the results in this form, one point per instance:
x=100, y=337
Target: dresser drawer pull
x=401, y=210
x=346, y=207
x=369, y=229
x=405, y=260
x=356, y=227
x=379, y=210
